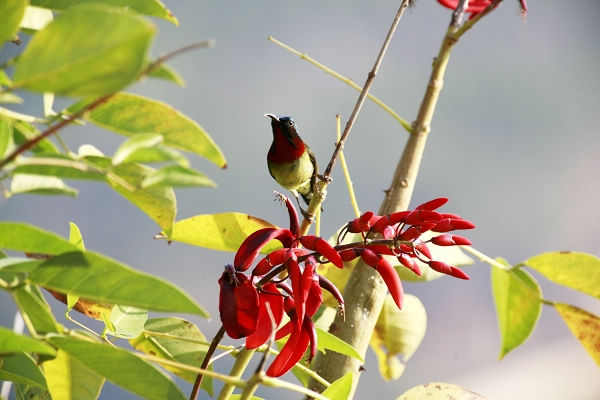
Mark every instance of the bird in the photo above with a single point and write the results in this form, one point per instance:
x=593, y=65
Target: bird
x=291, y=162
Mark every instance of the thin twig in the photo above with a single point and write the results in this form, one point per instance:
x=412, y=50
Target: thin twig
x=322, y=184
x=213, y=345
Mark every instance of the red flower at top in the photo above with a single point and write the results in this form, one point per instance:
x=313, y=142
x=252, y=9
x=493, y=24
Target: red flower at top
x=476, y=6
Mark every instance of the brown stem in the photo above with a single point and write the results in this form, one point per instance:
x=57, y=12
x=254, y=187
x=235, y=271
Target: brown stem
x=365, y=291
x=209, y=353
x=315, y=204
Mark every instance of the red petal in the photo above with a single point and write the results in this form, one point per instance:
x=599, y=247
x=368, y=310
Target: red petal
x=295, y=275
x=326, y=284
x=370, y=257
x=294, y=222
x=409, y=263
x=252, y=245
x=349, y=254
x=238, y=305
x=392, y=281
x=290, y=354
x=322, y=247
x=440, y=201
x=265, y=325
x=273, y=259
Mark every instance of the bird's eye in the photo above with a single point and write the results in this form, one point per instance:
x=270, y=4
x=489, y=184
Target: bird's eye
x=290, y=122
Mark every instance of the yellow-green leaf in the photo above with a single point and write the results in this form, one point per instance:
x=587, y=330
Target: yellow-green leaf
x=89, y=50
x=224, y=231
x=579, y=271
x=154, y=8
x=12, y=12
x=340, y=389
x=585, y=327
x=440, y=391
x=518, y=300
x=69, y=379
x=11, y=342
x=398, y=332
x=129, y=114
x=175, y=339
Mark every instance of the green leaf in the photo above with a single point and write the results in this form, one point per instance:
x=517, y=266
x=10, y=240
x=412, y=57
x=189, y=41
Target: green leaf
x=11, y=342
x=28, y=238
x=327, y=341
x=35, y=310
x=6, y=137
x=70, y=379
x=121, y=368
x=89, y=50
x=36, y=19
x=224, y=231
x=585, y=327
x=129, y=114
x=39, y=184
x=127, y=322
x=134, y=144
x=398, y=332
x=12, y=12
x=21, y=368
x=58, y=165
x=153, y=8
x=440, y=391
x=340, y=389
x=518, y=300
x=177, y=175
x=75, y=236
x=579, y=271
x=96, y=277
x=175, y=339
x=157, y=154
x=168, y=73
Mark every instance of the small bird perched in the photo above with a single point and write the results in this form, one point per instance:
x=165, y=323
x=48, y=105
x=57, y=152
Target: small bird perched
x=291, y=162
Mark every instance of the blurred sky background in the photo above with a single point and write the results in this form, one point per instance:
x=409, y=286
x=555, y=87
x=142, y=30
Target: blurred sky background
x=514, y=145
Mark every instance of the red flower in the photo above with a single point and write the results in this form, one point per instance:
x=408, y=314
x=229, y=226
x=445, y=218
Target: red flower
x=477, y=6
x=253, y=307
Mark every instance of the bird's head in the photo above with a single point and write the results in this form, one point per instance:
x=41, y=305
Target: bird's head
x=285, y=126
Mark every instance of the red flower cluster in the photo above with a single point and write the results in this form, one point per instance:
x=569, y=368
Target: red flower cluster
x=253, y=306
x=476, y=6
x=253, y=309
x=404, y=229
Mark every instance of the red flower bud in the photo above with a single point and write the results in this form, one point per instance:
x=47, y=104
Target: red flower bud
x=448, y=269
x=276, y=257
x=433, y=204
x=322, y=247
x=349, y=254
x=450, y=240
x=409, y=263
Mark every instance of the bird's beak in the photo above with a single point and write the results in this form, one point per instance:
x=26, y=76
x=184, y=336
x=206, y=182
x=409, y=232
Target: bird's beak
x=272, y=116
